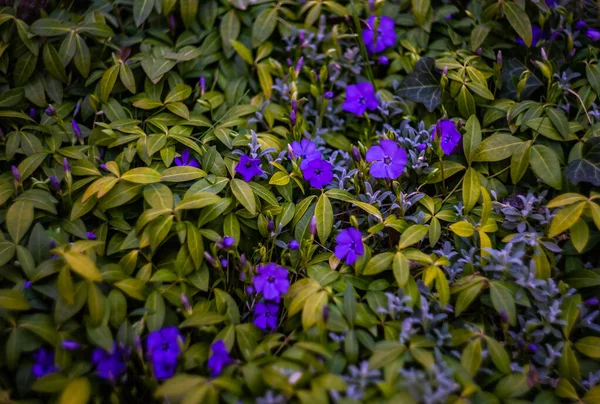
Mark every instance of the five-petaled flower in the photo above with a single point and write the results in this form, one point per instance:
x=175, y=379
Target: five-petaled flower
x=593, y=34
x=44, y=363
x=388, y=160
x=317, y=172
x=163, y=348
x=349, y=245
x=305, y=149
x=110, y=365
x=449, y=136
x=272, y=281
x=186, y=159
x=265, y=315
x=219, y=358
x=359, y=98
x=383, y=37
x=248, y=168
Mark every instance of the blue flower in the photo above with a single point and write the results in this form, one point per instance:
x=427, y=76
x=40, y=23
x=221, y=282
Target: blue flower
x=593, y=34
x=219, y=358
x=359, y=98
x=305, y=149
x=186, y=160
x=317, y=172
x=293, y=245
x=163, y=349
x=110, y=365
x=349, y=245
x=265, y=315
x=388, y=160
x=385, y=37
x=248, y=168
x=450, y=137
x=536, y=35
x=44, y=363
x=272, y=281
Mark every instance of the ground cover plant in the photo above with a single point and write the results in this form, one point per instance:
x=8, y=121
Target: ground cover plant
x=313, y=201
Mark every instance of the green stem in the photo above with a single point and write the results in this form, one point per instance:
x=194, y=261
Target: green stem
x=443, y=178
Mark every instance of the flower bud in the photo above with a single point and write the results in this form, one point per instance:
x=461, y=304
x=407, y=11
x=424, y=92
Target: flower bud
x=499, y=58
x=54, y=183
x=227, y=242
x=50, y=111
x=503, y=316
x=532, y=348
x=69, y=345
x=591, y=302
x=445, y=71
x=356, y=154
x=224, y=262
x=329, y=95
x=313, y=225
x=66, y=165
x=299, y=66
x=544, y=54
x=31, y=113
x=186, y=303
x=16, y=173
x=77, y=108
x=243, y=260
x=27, y=285
x=291, y=152
x=383, y=60
x=202, y=84
x=293, y=245
x=210, y=259
x=293, y=117
x=270, y=226
x=172, y=22
x=91, y=235
x=76, y=129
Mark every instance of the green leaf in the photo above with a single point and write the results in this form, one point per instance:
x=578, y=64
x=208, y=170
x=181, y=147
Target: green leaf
x=559, y=120
x=50, y=383
x=126, y=76
x=198, y=200
x=7, y=251
x=546, y=166
x=467, y=296
x=96, y=303
x=200, y=319
x=514, y=385
x=243, y=193
x=178, y=93
x=83, y=58
x=53, y=63
x=401, y=269
x=420, y=85
x=519, y=20
x=586, y=169
x=498, y=354
x=503, y=301
x=472, y=137
x=229, y=30
x=324, y=214
x=67, y=48
x=589, y=346
x=19, y=218
x=471, y=189
x=83, y=265
x=412, y=235
x=379, y=263
x=462, y=229
x=78, y=391
x=478, y=35
x=565, y=218
x=245, y=53
x=263, y=26
x=48, y=27
x=570, y=313
x=496, y=147
x=109, y=78
x=582, y=278
x=13, y=300
x=141, y=10
x=471, y=357
x=156, y=304
x=593, y=76
x=519, y=161
x=189, y=10
x=24, y=68
x=182, y=174
x=142, y=175
x=420, y=10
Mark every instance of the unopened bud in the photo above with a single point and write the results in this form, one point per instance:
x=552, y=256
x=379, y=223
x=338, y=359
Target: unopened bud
x=50, y=111
x=16, y=173
x=499, y=58
x=186, y=303
x=210, y=259
x=355, y=153
x=293, y=117
x=299, y=65
x=313, y=225
x=66, y=165
x=76, y=129
x=70, y=345
x=544, y=54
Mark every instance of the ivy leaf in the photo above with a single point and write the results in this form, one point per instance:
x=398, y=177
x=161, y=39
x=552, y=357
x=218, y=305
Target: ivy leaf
x=421, y=85
x=586, y=169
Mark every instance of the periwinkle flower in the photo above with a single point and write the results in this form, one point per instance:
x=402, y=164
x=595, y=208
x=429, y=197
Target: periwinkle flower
x=16, y=173
x=44, y=363
x=265, y=315
x=349, y=245
x=163, y=347
x=383, y=60
x=293, y=120
x=31, y=113
x=328, y=95
x=536, y=35
x=227, y=242
x=224, y=262
x=593, y=34
x=317, y=172
x=552, y=3
x=293, y=245
x=450, y=137
x=186, y=159
x=305, y=149
x=388, y=160
x=186, y=303
x=272, y=281
x=248, y=168
x=532, y=348
x=27, y=285
x=76, y=129
x=579, y=25
x=54, y=183
x=359, y=98
x=91, y=236
x=592, y=302
x=202, y=84
x=219, y=358
x=384, y=37
x=110, y=365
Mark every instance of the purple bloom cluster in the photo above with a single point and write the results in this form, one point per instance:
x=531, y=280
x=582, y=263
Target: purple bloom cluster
x=272, y=281
x=44, y=363
x=316, y=171
x=349, y=245
x=163, y=348
x=377, y=40
x=110, y=365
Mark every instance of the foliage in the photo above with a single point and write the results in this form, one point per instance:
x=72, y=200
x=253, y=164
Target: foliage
x=242, y=201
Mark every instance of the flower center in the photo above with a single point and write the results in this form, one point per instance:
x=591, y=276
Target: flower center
x=362, y=100
x=271, y=279
x=387, y=160
x=248, y=164
x=318, y=171
x=165, y=346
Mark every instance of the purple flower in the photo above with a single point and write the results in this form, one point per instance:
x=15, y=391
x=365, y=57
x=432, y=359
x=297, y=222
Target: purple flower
x=359, y=98
x=27, y=285
x=70, y=345
x=449, y=136
x=16, y=173
x=536, y=35
x=383, y=60
x=592, y=302
x=299, y=65
x=421, y=147
x=293, y=245
x=50, y=111
x=388, y=160
x=293, y=117
x=76, y=129
x=248, y=168
x=163, y=348
x=317, y=172
x=227, y=242
x=265, y=315
x=552, y=3
x=593, y=34
x=54, y=183
x=579, y=25
x=329, y=95
x=44, y=363
x=532, y=348
x=305, y=149
x=31, y=113
x=91, y=235
x=349, y=245
x=272, y=281
x=186, y=160
x=385, y=37
x=313, y=225
x=219, y=358
x=66, y=165
x=110, y=365
x=202, y=84
x=186, y=303
x=224, y=262
x=448, y=17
